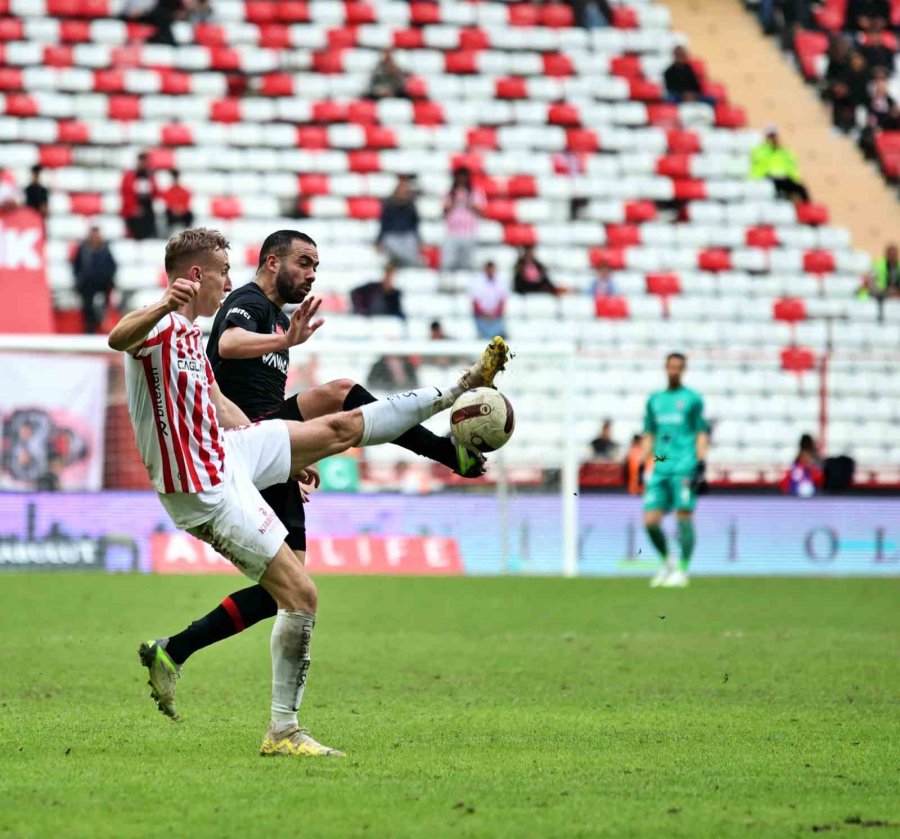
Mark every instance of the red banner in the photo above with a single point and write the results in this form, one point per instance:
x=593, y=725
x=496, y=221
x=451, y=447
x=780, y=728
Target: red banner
x=23, y=274
x=178, y=553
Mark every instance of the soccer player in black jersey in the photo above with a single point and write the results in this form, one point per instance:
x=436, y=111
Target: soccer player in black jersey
x=249, y=352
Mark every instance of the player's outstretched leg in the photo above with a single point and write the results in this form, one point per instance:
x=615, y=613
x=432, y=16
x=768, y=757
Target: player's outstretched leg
x=287, y=581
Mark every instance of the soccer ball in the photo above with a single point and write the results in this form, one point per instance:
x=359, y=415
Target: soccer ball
x=482, y=419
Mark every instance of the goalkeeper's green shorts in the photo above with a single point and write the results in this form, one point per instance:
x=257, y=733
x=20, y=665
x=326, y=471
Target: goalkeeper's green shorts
x=670, y=492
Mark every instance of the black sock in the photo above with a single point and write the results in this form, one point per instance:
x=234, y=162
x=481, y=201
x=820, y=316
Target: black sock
x=237, y=612
x=418, y=439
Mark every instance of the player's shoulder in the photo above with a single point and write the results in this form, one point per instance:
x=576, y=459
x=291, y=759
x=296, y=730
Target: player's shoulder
x=248, y=292
x=694, y=394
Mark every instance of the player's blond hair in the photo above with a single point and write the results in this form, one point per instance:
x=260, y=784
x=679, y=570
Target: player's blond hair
x=189, y=244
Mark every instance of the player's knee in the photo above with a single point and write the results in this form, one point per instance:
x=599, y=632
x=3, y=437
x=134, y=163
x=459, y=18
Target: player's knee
x=302, y=594
x=338, y=390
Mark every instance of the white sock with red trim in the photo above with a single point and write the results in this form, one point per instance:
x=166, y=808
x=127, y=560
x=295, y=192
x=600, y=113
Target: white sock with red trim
x=384, y=421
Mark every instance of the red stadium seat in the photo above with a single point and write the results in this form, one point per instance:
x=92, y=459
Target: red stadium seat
x=85, y=204
x=312, y=137
x=363, y=161
x=611, y=308
x=582, y=140
x=562, y=113
x=608, y=258
x=424, y=14
x=663, y=114
x=359, y=12
x=624, y=17
x=174, y=82
x=482, y=138
x=274, y=36
x=809, y=46
x=54, y=157
x=789, y=309
x=124, y=108
x=224, y=59
x=556, y=64
x=640, y=211
x=225, y=207
x=689, y=189
x=428, y=113
x=72, y=131
x=78, y=8
x=109, y=81
x=12, y=29
x=627, y=66
x=729, y=116
x=362, y=112
x=461, y=62
x=714, y=259
x=74, y=31
x=818, y=262
x=313, y=184
x=10, y=78
x=380, y=137
x=762, y=236
x=513, y=87
x=557, y=16
x=664, y=284
x=58, y=56
x=162, y=158
x=261, y=11
x=343, y=38
x=409, y=39
x=209, y=35
x=473, y=39
x=176, y=135
x=329, y=111
x=814, y=214
x=521, y=186
x=330, y=62
x=519, y=235
x=277, y=84
x=622, y=235
x=798, y=359
x=293, y=11
x=225, y=110
x=674, y=166
x=364, y=208
x=523, y=14
x=502, y=210
x=643, y=90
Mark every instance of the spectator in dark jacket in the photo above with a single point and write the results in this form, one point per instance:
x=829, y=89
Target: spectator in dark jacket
x=398, y=237
x=861, y=15
x=95, y=273
x=591, y=13
x=388, y=81
x=378, y=298
x=36, y=195
x=682, y=82
x=530, y=276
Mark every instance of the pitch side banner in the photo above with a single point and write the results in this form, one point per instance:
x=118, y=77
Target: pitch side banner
x=467, y=533
x=23, y=274
x=52, y=416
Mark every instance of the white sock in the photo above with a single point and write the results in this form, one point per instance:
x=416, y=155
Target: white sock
x=384, y=421
x=291, y=635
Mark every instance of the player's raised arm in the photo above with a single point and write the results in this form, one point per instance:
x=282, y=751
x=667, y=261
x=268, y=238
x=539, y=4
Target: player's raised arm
x=236, y=343
x=130, y=332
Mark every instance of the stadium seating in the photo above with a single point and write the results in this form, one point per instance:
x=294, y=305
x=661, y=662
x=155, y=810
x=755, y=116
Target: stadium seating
x=704, y=259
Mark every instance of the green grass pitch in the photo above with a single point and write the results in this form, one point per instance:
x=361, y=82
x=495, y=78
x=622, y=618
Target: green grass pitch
x=469, y=708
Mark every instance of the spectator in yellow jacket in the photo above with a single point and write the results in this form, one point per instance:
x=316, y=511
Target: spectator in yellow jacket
x=778, y=163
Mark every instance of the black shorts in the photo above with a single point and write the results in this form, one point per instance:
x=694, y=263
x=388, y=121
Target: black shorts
x=284, y=499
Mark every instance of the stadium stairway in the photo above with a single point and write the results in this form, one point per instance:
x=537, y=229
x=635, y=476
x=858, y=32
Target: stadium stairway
x=759, y=76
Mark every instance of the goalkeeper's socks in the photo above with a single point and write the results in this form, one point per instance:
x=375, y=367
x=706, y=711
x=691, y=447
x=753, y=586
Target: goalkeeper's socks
x=687, y=538
x=654, y=531
x=234, y=614
x=418, y=439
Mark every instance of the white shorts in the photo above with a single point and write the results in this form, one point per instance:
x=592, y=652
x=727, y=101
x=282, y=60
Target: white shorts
x=233, y=517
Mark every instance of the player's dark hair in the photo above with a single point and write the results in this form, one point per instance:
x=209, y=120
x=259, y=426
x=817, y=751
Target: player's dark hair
x=279, y=243
x=678, y=355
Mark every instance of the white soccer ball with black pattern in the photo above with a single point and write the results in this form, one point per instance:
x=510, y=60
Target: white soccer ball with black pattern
x=482, y=419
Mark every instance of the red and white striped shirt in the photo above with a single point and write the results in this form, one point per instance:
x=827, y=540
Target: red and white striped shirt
x=169, y=381
x=461, y=220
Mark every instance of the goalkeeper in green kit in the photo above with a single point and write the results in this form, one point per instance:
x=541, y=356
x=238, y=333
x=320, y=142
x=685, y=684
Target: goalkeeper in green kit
x=677, y=436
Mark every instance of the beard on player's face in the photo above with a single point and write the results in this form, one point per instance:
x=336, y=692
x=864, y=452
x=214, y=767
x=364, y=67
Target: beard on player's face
x=291, y=288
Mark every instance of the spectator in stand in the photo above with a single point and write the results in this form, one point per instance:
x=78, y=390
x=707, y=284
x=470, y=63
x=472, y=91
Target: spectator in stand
x=378, y=298
x=884, y=280
x=838, y=62
x=436, y=332
x=463, y=206
x=880, y=109
x=199, y=11
x=805, y=475
x=398, y=237
x=392, y=373
x=603, y=448
x=94, y=268
x=878, y=53
x=591, y=14
x=682, y=81
x=36, y=195
x=177, y=199
x=489, y=297
x=858, y=79
x=10, y=194
x=604, y=284
x=634, y=466
x=139, y=190
x=530, y=276
x=388, y=81
x=863, y=15
x=772, y=160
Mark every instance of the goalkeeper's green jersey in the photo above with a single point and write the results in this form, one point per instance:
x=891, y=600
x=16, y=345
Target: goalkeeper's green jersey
x=675, y=418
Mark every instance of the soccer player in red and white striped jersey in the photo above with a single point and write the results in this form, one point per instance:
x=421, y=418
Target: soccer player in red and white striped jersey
x=208, y=463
